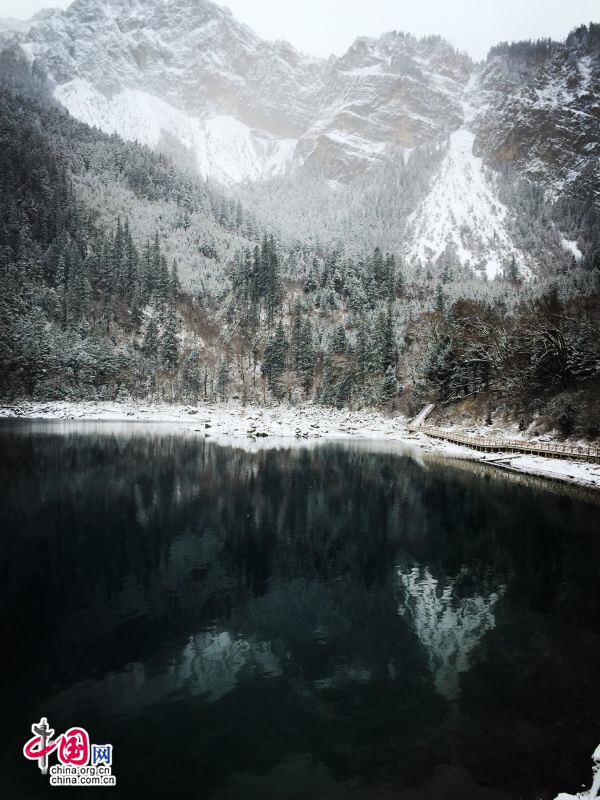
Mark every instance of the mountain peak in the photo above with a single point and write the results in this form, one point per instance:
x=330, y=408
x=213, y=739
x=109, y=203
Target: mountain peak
x=186, y=74
x=243, y=107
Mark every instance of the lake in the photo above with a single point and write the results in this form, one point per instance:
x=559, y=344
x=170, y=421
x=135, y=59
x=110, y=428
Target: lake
x=308, y=622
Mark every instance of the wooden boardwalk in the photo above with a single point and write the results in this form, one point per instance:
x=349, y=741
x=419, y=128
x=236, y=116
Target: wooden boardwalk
x=490, y=444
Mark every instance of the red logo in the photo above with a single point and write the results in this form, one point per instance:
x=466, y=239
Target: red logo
x=80, y=764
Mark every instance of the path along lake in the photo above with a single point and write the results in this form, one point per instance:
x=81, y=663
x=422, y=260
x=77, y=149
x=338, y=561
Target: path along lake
x=324, y=622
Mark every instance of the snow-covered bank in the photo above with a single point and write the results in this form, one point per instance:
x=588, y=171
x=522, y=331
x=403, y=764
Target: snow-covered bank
x=595, y=790
x=229, y=420
x=276, y=426
x=578, y=473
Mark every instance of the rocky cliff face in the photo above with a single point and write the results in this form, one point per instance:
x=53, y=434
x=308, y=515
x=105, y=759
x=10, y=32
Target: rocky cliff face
x=383, y=94
x=245, y=108
x=184, y=76
x=539, y=110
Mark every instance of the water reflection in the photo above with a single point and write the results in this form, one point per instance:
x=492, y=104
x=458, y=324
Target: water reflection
x=330, y=618
x=449, y=626
x=209, y=666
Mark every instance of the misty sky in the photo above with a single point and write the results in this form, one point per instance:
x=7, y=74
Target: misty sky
x=321, y=27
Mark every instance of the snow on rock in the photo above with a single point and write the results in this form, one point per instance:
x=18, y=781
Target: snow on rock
x=463, y=214
x=190, y=62
x=225, y=148
x=255, y=428
x=230, y=421
x=594, y=792
x=132, y=114
x=251, y=110
x=541, y=114
x=232, y=152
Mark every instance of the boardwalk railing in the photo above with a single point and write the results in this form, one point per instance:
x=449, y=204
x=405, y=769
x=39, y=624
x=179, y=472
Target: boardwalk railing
x=492, y=445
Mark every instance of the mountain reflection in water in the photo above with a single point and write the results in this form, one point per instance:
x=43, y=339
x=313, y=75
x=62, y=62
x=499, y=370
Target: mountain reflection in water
x=326, y=621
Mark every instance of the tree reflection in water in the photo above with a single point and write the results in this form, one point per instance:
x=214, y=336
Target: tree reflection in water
x=351, y=622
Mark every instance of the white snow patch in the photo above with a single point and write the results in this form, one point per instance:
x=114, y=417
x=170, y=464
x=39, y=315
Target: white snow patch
x=231, y=151
x=225, y=148
x=462, y=210
x=372, y=69
x=358, y=144
x=132, y=114
x=471, y=103
x=585, y=70
x=555, y=95
x=571, y=247
x=594, y=792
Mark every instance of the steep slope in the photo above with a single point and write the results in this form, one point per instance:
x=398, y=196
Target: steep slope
x=245, y=108
x=187, y=69
x=540, y=111
x=462, y=217
x=320, y=148
x=199, y=227
x=384, y=94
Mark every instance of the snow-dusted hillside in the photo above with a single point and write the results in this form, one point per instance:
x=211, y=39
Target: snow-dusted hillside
x=462, y=217
x=224, y=148
x=540, y=111
x=185, y=77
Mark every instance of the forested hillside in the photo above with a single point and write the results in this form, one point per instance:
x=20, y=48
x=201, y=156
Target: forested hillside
x=125, y=277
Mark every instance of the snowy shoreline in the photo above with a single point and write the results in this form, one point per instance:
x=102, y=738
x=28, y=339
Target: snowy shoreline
x=283, y=426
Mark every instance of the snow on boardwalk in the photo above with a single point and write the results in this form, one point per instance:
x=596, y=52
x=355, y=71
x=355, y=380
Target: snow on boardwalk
x=488, y=444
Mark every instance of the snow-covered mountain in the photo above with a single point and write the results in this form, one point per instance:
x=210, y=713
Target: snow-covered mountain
x=246, y=108
x=185, y=77
x=539, y=110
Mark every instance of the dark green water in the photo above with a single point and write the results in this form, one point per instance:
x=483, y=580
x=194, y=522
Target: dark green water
x=323, y=623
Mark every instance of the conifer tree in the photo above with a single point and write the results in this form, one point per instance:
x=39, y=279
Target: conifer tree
x=175, y=283
x=512, y=273
x=306, y=356
x=274, y=360
x=439, y=299
x=223, y=379
x=339, y=345
x=151, y=340
x=390, y=385
x=169, y=343
x=296, y=337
